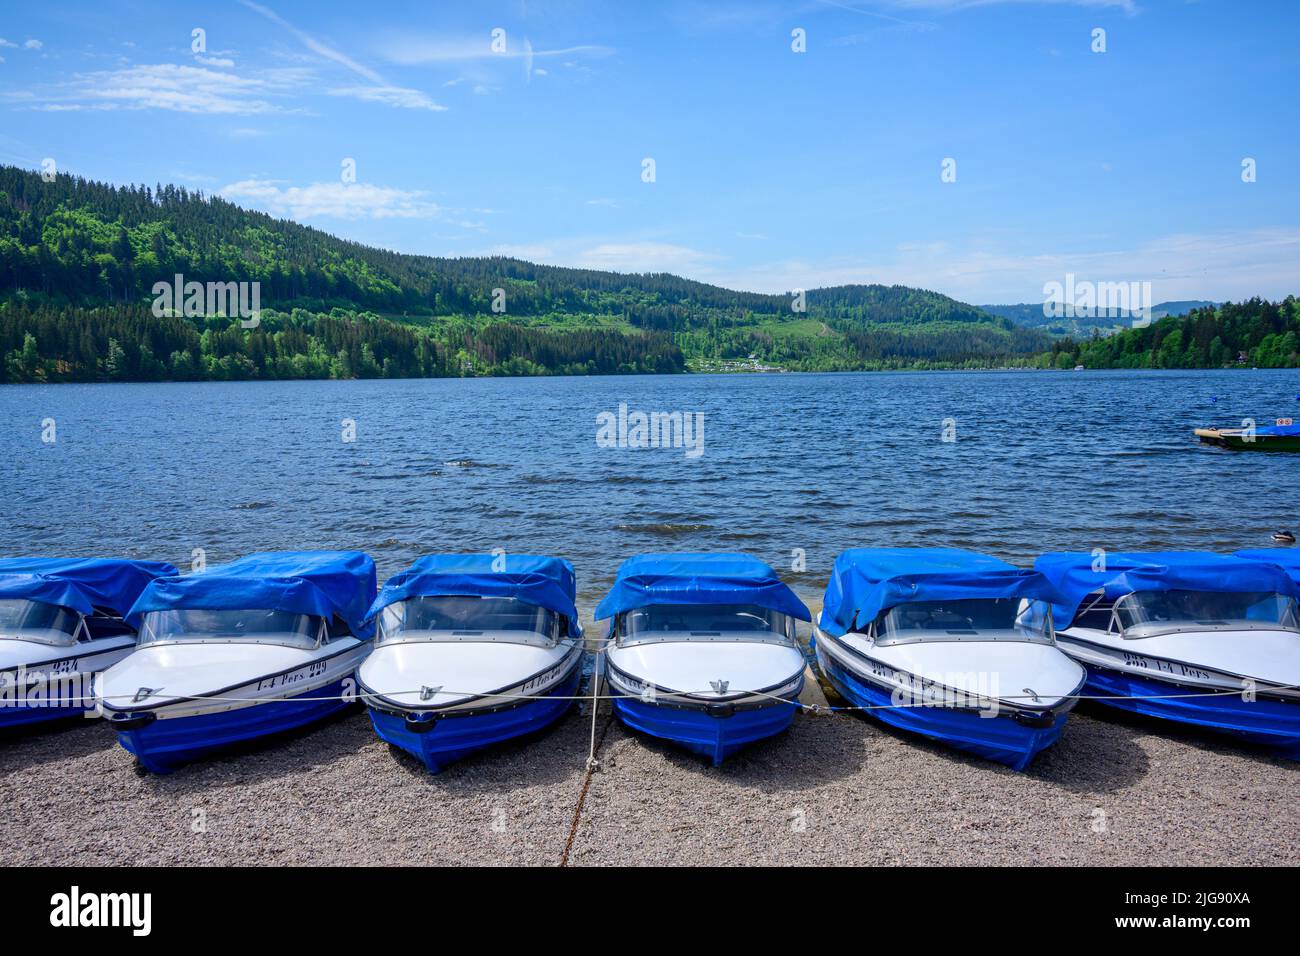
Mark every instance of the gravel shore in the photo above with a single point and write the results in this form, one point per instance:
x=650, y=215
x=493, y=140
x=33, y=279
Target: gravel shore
x=833, y=790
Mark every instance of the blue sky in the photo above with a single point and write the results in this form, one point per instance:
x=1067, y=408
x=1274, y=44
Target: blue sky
x=774, y=169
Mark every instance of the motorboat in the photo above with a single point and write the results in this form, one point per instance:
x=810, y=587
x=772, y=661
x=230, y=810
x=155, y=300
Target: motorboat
x=1201, y=639
x=472, y=650
x=954, y=646
x=267, y=643
x=1282, y=436
x=701, y=650
x=61, y=622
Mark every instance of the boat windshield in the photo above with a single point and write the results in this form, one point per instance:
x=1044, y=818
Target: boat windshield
x=253, y=626
x=717, y=622
x=38, y=622
x=468, y=618
x=969, y=619
x=1149, y=613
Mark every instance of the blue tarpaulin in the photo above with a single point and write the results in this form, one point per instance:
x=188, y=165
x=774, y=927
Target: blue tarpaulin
x=1278, y=430
x=866, y=581
x=320, y=583
x=650, y=579
x=1288, y=559
x=1076, y=574
x=535, y=579
x=81, y=584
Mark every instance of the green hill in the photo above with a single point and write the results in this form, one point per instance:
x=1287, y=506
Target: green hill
x=79, y=261
x=1255, y=333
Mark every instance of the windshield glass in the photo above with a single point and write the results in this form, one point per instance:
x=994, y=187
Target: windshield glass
x=252, y=626
x=705, y=621
x=1144, y=613
x=38, y=622
x=971, y=619
x=465, y=617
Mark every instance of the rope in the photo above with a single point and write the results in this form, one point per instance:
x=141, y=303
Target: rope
x=673, y=695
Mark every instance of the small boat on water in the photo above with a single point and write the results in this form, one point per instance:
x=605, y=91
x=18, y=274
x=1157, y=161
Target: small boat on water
x=1197, y=638
x=701, y=650
x=1283, y=436
x=61, y=622
x=952, y=645
x=261, y=645
x=472, y=650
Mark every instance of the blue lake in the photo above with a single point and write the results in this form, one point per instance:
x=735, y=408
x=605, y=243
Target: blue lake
x=1040, y=461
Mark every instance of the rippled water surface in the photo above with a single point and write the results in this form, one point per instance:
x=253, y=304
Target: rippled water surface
x=1041, y=461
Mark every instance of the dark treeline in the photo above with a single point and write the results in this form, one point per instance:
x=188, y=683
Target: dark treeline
x=1255, y=332
x=128, y=343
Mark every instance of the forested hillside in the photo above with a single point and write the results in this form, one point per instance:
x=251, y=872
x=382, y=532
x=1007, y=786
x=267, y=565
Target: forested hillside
x=79, y=260
x=1254, y=333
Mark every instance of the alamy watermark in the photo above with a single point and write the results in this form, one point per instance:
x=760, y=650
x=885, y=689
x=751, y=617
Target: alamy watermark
x=637, y=429
x=1089, y=300
x=199, y=299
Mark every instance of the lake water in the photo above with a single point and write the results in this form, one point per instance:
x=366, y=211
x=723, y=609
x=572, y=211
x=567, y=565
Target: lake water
x=1040, y=461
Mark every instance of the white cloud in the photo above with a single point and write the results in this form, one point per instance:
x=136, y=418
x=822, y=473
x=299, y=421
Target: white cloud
x=337, y=200
x=33, y=45
x=379, y=90
x=4, y=43
x=220, y=61
x=169, y=86
x=391, y=96
x=418, y=50
x=1228, y=265
x=634, y=256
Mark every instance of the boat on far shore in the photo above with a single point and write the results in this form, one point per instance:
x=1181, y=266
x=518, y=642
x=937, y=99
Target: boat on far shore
x=1282, y=436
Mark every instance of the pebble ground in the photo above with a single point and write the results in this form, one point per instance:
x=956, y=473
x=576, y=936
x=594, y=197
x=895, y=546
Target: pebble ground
x=831, y=791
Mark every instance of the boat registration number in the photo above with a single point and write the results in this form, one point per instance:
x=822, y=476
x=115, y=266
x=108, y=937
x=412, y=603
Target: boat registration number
x=314, y=669
x=1175, y=668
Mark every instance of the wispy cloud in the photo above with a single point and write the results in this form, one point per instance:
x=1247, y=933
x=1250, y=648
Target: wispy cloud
x=1224, y=265
x=381, y=91
x=334, y=200
x=421, y=50
x=615, y=256
x=33, y=45
x=166, y=86
x=390, y=96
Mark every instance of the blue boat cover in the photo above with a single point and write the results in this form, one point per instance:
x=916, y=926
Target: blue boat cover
x=1281, y=431
x=535, y=579
x=866, y=581
x=81, y=584
x=649, y=579
x=320, y=583
x=1288, y=559
x=1073, y=577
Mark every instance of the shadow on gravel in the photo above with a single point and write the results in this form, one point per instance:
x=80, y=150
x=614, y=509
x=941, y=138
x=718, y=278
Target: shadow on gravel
x=1091, y=757
x=555, y=755
x=809, y=754
x=267, y=758
x=1086, y=759
x=1132, y=726
x=551, y=755
x=68, y=737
